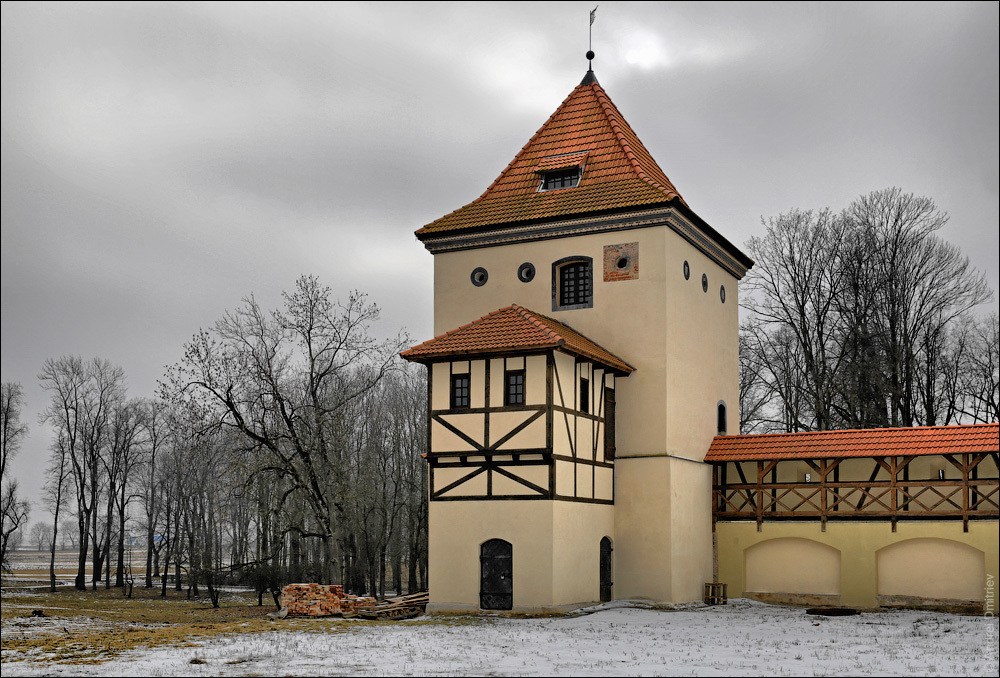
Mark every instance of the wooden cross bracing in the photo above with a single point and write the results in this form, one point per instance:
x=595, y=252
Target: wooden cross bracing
x=887, y=494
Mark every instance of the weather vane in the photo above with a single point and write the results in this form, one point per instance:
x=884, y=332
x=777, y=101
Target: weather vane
x=590, y=39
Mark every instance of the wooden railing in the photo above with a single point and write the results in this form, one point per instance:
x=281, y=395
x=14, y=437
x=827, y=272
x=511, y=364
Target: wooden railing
x=829, y=498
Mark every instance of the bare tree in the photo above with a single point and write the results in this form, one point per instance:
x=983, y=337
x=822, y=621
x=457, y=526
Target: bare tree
x=857, y=318
x=920, y=285
x=14, y=512
x=756, y=393
x=793, y=288
x=283, y=380
x=128, y=453
x=41, y=536
x=54, y=496
x=157, y=433
x=980, y=383
x=82, y=398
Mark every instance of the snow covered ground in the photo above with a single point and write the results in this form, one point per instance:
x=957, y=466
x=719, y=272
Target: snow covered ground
x=742, y=638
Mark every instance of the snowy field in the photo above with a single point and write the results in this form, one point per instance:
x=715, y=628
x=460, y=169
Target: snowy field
x=742, y=638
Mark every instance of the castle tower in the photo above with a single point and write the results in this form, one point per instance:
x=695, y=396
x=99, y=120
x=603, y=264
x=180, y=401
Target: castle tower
x=587, y=354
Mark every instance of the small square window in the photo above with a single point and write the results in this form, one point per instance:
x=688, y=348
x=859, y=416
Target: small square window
x=459, y=391
x=513, y=387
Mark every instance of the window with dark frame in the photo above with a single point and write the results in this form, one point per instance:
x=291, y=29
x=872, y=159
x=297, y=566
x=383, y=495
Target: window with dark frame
x=722, y=418
x=459, y=391
x=513, y=393
x=564, y=178
x=574, y=284
x=584, y=394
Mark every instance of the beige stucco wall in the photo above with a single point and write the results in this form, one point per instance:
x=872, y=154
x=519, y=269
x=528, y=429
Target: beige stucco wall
x=793, y=565
x=931, y=568
x=681, y=340
x=702, y=348
x=555, y=548
x=577, y=550
x=663, y=524
x=859, y=545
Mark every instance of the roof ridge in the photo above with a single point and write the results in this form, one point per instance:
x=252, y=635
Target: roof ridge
x=563, y=340
x=611, y=112
x=525, y=147
x=531, y=317
x=457, y=329
x=517, y=328
x=515, y=159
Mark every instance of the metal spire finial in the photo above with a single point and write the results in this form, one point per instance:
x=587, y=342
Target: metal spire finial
x=590, y=77
x=590, y=39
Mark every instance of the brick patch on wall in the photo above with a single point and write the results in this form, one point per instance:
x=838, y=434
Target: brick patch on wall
x=621, y=262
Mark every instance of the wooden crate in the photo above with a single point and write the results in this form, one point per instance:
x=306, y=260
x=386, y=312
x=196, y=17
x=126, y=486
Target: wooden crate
x=716, y=594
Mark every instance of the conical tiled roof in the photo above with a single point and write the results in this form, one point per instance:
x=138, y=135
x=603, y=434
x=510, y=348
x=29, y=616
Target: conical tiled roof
x=586, y=130
x=513, y=328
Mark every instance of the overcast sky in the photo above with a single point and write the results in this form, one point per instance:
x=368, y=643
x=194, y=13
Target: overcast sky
x=163, y=161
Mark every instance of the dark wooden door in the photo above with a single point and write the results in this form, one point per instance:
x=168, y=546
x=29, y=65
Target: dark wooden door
x=606, y=582
x=496, y=582
x=609, y=424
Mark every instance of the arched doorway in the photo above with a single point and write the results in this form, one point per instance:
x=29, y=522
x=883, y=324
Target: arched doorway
x=496, y=575
x=606, y=582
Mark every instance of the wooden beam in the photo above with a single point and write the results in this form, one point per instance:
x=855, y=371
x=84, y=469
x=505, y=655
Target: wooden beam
x=476, y=445
x=965, y=492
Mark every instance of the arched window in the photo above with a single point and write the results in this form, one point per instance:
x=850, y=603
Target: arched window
x=722, y=418
x=573, y=283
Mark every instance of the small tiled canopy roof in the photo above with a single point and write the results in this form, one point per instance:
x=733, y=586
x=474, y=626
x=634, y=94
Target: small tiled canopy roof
x=513, y=329
x=876, y=442
x=619, y=172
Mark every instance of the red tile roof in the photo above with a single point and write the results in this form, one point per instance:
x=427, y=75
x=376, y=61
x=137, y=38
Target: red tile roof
x=619, y=172
x=562, y=161
x=874, y=442
x=517, y=329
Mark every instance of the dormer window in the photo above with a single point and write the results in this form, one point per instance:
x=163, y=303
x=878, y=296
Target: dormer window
x=563, y=178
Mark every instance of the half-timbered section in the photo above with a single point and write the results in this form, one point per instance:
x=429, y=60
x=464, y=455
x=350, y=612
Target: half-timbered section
x=521, y=406
x=930, y=493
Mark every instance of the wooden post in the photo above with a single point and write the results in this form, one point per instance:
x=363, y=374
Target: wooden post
x=760, y=495
x=965, y=492
x=823, y=470
x=893, y=498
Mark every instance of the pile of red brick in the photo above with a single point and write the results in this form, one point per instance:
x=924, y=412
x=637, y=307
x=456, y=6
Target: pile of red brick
x=321, y=600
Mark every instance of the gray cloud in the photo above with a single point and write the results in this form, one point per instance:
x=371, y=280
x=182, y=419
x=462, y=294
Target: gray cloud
x=162, y=161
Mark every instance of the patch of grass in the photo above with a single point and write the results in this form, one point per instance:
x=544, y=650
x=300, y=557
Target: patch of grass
x=93, y=626
x=90, y=627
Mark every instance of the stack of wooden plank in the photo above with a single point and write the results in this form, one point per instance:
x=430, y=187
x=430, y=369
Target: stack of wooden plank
x=402, y=607
x=318, y=600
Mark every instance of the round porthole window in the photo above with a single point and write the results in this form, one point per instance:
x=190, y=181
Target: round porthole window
x=722, y=293
x=479, y=276
x=622, y=263
x=526, y=272
x=704, y=282
x=687, y=271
